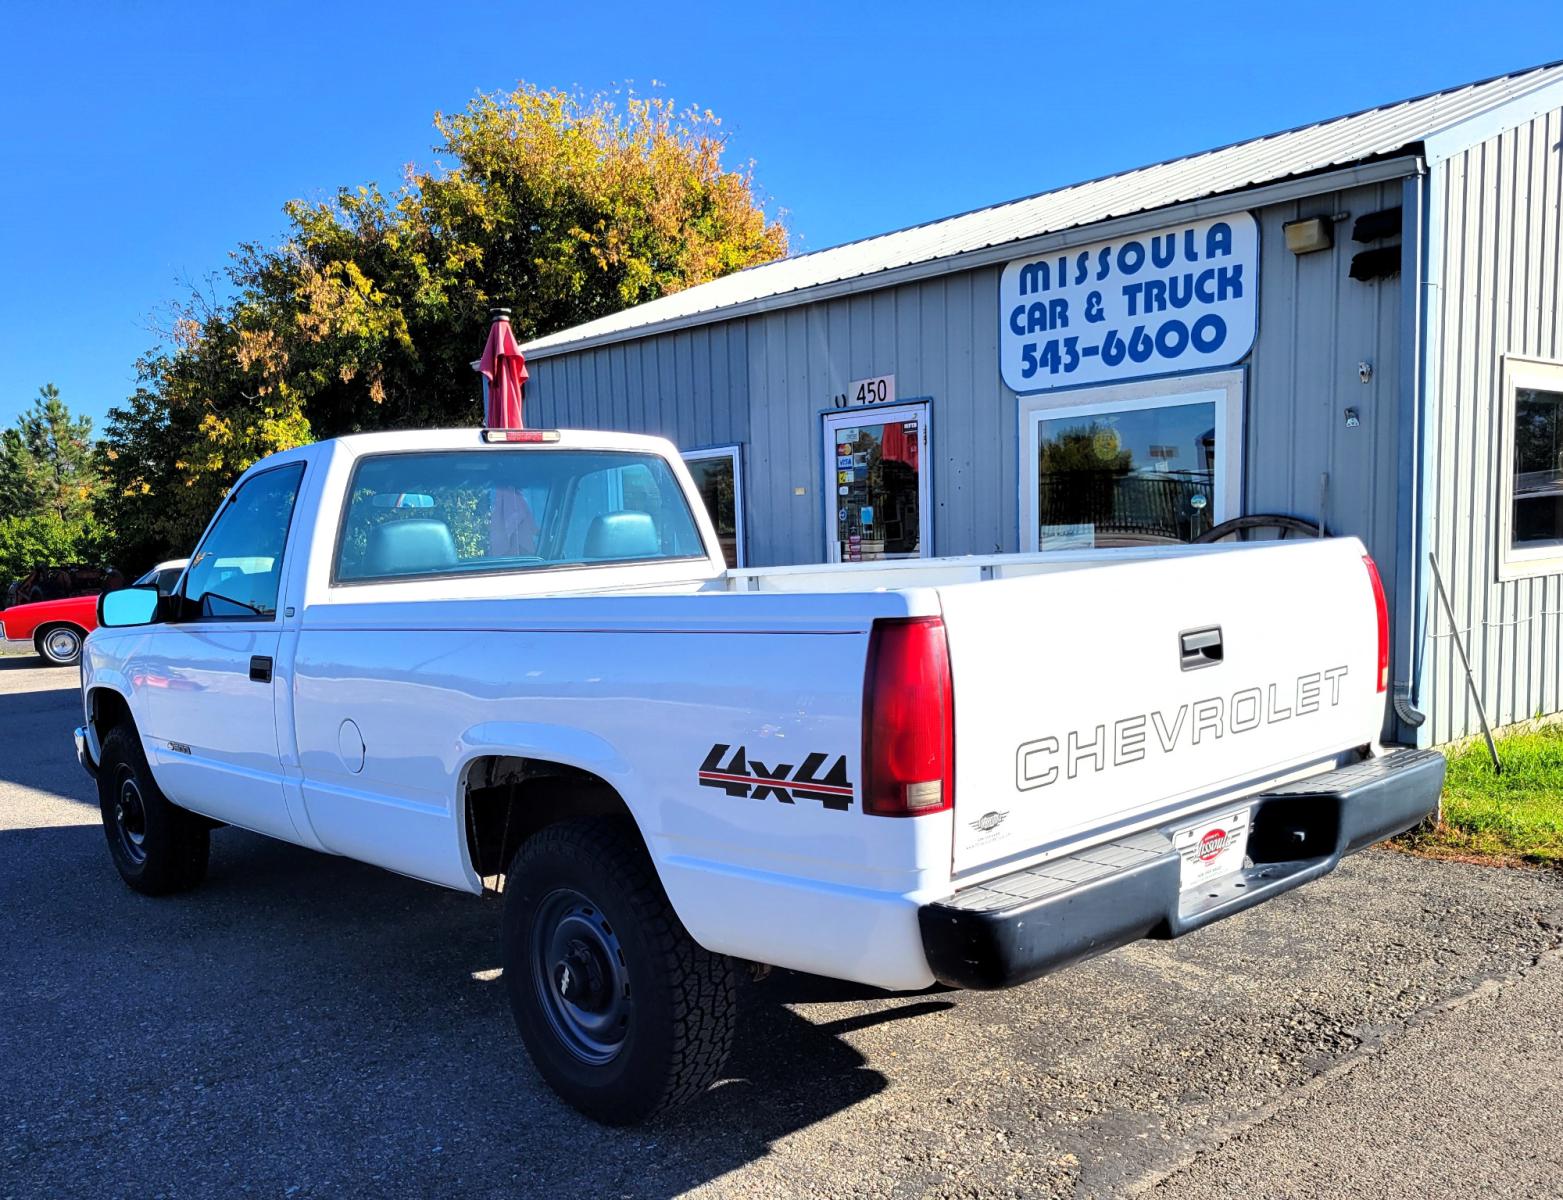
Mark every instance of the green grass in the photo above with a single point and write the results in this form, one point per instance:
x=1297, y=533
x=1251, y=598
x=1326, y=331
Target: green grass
x=1513, y=817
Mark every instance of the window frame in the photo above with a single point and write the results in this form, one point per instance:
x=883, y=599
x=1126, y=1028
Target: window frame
x=188, y=617
x=733, y=451
x=1513, y=562
x=333, y=581
x=1225, y=389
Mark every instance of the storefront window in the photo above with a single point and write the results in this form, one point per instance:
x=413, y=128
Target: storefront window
x=716, y=474
x=1538, y=468
x=1140, y=466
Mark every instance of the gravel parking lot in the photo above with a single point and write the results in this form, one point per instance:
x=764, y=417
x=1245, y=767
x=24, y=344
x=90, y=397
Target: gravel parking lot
x=304, y=1026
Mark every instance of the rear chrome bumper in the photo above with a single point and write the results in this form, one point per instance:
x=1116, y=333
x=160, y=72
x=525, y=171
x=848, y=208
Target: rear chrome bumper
x=84, y=752
x=1015, y=928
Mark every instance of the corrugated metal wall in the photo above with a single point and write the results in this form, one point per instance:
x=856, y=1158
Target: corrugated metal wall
x=764, y=380
x=1498, y=204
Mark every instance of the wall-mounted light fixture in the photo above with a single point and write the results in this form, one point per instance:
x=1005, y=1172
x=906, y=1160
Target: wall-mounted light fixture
x=1306, y=236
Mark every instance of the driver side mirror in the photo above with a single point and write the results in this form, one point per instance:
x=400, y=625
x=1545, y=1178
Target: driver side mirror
x=129, y=606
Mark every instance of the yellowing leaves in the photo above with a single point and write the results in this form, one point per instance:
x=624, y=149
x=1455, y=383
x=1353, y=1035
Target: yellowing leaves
x=561, y=206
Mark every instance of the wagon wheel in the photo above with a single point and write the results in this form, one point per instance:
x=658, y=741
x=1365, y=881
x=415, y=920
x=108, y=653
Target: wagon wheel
x=1260, y=527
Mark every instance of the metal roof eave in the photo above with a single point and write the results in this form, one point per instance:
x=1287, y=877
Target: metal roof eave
x=1395, y=166
x=1462, y=135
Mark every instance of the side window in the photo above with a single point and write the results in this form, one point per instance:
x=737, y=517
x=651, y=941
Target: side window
x=237, y=572
x=1530, y=513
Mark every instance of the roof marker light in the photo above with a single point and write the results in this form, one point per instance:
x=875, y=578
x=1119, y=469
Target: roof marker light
x=520, y=435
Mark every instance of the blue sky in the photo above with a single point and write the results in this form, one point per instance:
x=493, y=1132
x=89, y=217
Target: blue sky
x=142, y=142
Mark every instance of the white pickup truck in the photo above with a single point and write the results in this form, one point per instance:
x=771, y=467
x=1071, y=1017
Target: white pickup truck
x=517, y=658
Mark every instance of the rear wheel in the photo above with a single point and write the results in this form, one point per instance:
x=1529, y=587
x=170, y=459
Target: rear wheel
x=623, y=1013
x=61, y=645
x=156, y=846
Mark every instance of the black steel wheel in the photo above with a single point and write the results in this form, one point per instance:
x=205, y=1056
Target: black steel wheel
x=156, y=846
x=579, y=971
x=623, y=1013
x=130, y=816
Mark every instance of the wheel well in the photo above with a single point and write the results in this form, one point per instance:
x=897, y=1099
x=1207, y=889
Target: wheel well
x=106, y=709
x=508, y=799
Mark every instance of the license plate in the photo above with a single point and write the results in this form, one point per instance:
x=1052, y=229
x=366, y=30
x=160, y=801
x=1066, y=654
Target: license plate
x=1214, y=847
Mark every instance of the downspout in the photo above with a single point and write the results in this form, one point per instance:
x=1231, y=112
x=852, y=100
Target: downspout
x=1408, y=457
x=1427, y=364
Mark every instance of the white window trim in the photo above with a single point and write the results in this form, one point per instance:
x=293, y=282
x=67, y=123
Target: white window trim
x=1223, y=388
x=879, y=414
x=733, y=451
x=1518, y=372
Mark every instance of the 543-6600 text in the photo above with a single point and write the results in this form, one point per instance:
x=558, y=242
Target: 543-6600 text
x=1170, y=340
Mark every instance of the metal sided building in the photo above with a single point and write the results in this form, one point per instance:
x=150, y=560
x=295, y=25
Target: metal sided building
x=1355, y=323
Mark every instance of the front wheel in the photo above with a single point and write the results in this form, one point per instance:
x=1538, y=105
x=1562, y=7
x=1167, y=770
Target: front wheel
x=623, y=1013
x=61, y=645
x=156, y=846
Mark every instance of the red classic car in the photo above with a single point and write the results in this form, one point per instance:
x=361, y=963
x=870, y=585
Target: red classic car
x=54, y=628
x=57, y=628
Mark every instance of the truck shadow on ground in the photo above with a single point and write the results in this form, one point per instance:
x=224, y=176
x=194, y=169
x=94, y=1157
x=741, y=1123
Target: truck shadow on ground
x=349, y=1028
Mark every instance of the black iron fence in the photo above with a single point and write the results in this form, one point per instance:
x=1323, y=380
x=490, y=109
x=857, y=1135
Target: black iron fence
x=1140, y=507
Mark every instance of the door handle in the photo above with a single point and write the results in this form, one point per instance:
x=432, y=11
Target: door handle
x=260, y=668
x=1200, y=648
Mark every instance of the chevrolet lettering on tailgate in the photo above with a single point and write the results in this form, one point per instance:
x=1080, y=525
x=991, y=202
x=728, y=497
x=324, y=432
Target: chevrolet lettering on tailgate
x=1041, y=761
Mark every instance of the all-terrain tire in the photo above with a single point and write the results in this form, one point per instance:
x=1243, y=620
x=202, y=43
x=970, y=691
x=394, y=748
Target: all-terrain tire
x=157, y=847
x=584, y=909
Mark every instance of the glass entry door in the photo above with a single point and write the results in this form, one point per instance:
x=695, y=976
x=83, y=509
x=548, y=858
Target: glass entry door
x=877, y=483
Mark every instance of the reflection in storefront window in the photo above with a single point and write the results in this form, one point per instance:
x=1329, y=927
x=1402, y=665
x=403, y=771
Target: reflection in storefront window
x=1136, y=477
x=715, y=476
x=877, y=493
x=1538, y=467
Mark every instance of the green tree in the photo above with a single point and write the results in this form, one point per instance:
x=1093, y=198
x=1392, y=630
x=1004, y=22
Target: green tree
x=1092, y=448
x=48, y=464
x=43, y=539
x=563, y=207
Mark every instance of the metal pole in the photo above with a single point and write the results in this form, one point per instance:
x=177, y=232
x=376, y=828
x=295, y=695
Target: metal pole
x=1470, y=680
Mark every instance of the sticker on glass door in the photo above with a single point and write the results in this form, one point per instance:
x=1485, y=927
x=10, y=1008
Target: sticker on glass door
x=881, y=484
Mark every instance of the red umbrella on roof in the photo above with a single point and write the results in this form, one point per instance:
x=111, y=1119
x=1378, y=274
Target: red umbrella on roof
x=512, y=529
x=504, y=366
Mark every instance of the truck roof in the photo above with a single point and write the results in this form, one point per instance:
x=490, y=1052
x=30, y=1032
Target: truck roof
x=469, y=439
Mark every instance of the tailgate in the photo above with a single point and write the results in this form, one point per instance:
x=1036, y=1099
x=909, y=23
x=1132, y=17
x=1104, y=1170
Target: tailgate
x=1088, y=698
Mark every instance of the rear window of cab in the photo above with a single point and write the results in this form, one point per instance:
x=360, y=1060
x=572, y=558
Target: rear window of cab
x=427, y=514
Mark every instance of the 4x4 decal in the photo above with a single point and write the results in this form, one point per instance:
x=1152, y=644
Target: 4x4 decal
x=742, y=776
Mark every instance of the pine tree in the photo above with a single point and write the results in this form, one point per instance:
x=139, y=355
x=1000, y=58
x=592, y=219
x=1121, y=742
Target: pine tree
x=48, y=463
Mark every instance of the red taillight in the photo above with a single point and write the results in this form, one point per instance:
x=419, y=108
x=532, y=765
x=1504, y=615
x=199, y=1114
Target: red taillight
x=908, y=720
x=1383, y=623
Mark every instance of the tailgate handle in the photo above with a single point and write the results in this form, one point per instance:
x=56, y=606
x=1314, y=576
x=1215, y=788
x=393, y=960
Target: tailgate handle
x=1200, y=647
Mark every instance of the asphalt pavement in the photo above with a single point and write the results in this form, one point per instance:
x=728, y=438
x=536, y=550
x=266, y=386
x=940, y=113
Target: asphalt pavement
x=303, y=1026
